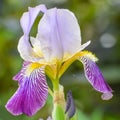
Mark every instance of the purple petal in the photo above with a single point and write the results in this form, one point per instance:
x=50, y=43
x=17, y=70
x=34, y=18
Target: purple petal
x=20, y=76
x=96, y=78
x=31, y=94
x=29, y=17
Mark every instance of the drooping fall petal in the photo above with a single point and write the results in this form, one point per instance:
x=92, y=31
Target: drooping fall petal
x=32, y=92
x=95, y=77
x=20, y=76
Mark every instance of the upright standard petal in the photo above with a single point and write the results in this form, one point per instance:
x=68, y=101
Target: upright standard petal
x=59, y=33
x=32, y=92
x=26, y=21
x=95, y=77
x=49, y=37
x=29, y=17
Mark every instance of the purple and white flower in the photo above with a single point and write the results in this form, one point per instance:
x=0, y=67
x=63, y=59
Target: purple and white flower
x=57, y=41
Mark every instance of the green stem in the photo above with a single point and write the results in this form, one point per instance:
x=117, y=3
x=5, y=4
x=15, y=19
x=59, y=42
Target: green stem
x=58, y=93
x=59, y=104
x=58, y=113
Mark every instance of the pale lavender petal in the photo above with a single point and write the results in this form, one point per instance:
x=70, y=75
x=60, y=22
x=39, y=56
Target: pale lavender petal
x=70, y=107
x=66, y=57
x=95, y=77
x=26, y=21
x=48, y=35
x=59, y=33
x=31, y=94
x=26, y=50
x=69, y=31
x=29, y=17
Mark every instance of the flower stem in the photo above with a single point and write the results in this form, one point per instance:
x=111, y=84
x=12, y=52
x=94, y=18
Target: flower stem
x=58, y=104
x=58, y=113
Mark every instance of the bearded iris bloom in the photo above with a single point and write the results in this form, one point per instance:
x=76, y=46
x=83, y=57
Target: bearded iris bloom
x=56, y=45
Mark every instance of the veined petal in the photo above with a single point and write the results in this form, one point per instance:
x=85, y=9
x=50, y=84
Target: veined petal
x=59, y=34
x=20, y=76
x=32, y=92
x=95, y=77
x=29, y=17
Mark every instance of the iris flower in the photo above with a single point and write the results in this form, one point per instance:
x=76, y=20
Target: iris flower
x=56, y=45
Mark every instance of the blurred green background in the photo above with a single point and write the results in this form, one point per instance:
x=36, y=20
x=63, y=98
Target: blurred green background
x=100, y=22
